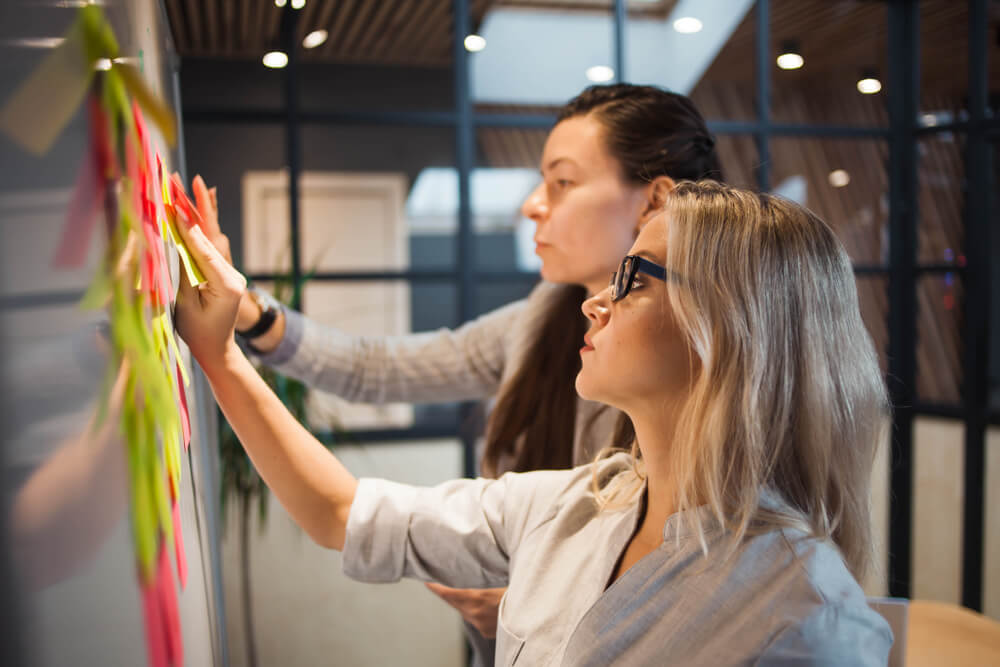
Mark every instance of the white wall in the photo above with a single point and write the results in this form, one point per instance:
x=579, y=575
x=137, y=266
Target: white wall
x=308, y=613
x=937, y=515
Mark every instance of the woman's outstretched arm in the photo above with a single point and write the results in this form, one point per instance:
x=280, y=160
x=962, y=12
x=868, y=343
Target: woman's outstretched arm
x=307, y=479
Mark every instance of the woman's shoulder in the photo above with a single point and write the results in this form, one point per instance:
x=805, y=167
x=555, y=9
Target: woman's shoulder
x=551, y=490
x=825, y=609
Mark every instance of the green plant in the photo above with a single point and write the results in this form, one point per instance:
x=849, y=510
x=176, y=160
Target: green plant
x=239, y=478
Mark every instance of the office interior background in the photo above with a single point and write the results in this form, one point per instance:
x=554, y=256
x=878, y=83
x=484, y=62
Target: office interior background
x=377, y=154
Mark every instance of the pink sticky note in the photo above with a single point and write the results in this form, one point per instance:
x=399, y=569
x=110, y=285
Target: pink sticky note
x=88, y=195
x=182, y=568
x=156, y=644
x=168, y=606
x=185, y=421
x=186, y=210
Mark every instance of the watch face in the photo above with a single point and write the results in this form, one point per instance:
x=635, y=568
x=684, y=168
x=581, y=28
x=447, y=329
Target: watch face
x=265, y=300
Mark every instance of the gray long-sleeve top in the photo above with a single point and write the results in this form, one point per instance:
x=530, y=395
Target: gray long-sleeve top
x=472, y=362
x=782, y=599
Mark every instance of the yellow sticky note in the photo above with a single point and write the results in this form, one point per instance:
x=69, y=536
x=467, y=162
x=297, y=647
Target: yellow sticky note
x=177, y=354
x=195, y=276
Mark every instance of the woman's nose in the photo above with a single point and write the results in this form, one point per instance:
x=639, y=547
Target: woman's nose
x=536, y=206
x=596, y=307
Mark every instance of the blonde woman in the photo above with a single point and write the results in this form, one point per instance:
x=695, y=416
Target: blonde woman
x=735, y=529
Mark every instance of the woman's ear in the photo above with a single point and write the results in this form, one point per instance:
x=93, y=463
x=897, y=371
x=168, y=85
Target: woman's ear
x=655, y=197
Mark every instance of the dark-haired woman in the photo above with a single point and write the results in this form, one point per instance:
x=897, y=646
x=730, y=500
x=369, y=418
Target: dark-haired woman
x=613, y=155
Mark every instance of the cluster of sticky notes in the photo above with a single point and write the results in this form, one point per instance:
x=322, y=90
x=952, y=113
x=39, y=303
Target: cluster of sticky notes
x=123, y=176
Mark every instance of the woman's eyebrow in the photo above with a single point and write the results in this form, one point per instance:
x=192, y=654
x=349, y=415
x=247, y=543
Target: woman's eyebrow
x=554, y=163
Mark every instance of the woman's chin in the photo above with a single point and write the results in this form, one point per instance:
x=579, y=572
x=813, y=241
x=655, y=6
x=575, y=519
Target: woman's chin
x=583, y=388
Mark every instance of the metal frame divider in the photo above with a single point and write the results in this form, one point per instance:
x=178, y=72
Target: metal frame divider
x=904, y=75
x=978, y=171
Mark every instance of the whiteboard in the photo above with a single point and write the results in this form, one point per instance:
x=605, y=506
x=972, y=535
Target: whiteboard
x=68, y=574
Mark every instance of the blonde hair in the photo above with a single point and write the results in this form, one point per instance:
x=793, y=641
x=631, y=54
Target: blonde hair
x=788, y=403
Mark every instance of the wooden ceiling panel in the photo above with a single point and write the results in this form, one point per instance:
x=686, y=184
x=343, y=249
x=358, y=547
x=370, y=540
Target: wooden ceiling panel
x=837, y=37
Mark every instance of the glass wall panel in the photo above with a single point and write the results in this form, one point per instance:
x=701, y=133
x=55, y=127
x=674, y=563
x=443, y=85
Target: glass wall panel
x=938, y=490
x=701, y=48
x=941, y=199
x=873, y=299
x=393, y=55
x=944, y=61
x=540, y=55
x=840, y=42
x=377, y=198
x=739, y=159
x=994, y=306
x=222, y=154
x=507, y=172
x=378, y=308
x=939, y=338
x=845, y=182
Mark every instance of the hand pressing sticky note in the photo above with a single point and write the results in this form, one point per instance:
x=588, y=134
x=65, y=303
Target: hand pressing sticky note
x=194, y=274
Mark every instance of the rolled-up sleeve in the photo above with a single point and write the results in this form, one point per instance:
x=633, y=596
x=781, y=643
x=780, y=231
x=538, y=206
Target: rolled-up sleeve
x=454, y=533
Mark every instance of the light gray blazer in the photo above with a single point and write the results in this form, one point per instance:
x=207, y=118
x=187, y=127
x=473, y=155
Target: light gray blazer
x=783, y=599
x=465, y=364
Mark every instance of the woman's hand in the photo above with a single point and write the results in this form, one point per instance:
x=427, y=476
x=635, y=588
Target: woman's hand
x=479, y=607
x=206, y=315
x=207, y=203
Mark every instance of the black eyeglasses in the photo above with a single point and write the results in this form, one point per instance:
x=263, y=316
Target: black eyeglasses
x=621, y=281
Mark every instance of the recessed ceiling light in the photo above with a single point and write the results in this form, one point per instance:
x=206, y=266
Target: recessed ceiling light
x=687, y=25
x=475, y=43
x=869, y=83
x=600, y=73
x=275, y=59
x=790, y=61
x=869, y=86
x=839, y=178
x=298, y=4
x=280, y=3
x=314, y=39
x=34, y=42
x=790, y=56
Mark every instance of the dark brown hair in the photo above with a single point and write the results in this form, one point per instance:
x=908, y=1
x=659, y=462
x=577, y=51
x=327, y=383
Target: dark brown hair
x=650, y=132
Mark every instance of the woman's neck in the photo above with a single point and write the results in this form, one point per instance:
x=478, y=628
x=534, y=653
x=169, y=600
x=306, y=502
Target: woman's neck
x=655, y=436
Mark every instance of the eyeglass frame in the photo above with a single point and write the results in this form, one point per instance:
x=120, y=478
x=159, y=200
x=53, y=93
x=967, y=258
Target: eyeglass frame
x=638, y=264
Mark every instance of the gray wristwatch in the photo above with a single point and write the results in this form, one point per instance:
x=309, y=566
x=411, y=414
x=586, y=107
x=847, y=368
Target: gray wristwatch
x=269, y=309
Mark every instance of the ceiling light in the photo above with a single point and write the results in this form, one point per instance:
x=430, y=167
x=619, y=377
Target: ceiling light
x=103, y=64
x=275, y=59
x=790, y=58
x=474, y=43
x=34, y=42
x=839, y=178
x=869, y=83
x=280, y=3
x=600, y=73
x=687, y=25
x=298, y=4
x=314, y=39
